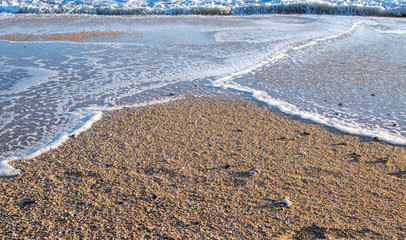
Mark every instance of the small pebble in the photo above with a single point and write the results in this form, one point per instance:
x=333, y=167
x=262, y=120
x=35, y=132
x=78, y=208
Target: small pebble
x=227, y=166
x=26, y=202
x=285, y=138
x=377, y=139
x=306, y=133
x=286, y=202
x=253, y=172
x=386, y=159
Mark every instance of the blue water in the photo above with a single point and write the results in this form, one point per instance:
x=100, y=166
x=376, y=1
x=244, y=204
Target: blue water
x=220, y=7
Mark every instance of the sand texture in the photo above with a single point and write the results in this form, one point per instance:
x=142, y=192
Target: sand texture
x=74, y=37
x=181, y=170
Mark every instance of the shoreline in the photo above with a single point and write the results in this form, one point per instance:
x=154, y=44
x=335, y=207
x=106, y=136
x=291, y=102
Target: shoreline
x=182, y=170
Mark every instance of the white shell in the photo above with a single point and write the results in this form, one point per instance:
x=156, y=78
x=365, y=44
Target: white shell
x=287, y=202
x=253, y=172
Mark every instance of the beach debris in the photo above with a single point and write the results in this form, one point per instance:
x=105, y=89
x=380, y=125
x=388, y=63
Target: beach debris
x=172, y=94
x=306, y=133
x=165, y=160
x=343, y=144
x=385, y=160
x=26, y=202
x=286, y=202
x=26, y=110
x=377, y=139
x=154, y=196
x=357, y=156
x=373, y=94
x=227, y=166
x=340, y=104
x=285, y=138
x=253, y=172
x=73, y=136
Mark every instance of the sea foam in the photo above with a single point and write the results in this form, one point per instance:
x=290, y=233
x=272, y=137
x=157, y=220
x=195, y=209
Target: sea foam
x=220, y=7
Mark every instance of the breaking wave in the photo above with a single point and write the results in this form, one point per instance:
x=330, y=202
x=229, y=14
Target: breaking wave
x=223, y=7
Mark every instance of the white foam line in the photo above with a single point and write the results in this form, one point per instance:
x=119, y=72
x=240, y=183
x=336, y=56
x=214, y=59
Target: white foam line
x=280, y=55
x=7, y=171
x=142, y=104
x=341, y=125
x=290, y=109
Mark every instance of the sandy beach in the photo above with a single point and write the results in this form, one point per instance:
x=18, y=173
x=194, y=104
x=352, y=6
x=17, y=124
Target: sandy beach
x=208, y=168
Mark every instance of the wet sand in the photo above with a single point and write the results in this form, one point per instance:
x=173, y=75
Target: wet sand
x=73, y=37
x=181, y=170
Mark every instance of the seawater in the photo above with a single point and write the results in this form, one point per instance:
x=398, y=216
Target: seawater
x=219, y=7
x=344, y=72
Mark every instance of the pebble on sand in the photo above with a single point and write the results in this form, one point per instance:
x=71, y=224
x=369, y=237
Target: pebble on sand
x=254, y=172
x=385, y=160
x=286, y=202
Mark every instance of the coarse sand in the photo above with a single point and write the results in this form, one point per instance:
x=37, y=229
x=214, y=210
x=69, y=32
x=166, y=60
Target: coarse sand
x=208, y=168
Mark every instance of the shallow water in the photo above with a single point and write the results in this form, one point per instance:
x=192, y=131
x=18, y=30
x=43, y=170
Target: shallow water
x=355, y=83
x=304, y=65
